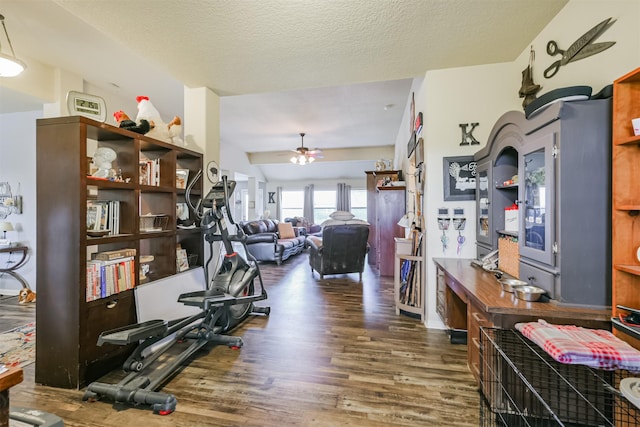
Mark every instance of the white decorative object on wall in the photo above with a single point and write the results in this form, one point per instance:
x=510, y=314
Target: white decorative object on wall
x=9, y=203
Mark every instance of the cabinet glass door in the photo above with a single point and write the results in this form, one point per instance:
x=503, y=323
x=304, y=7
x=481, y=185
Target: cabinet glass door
x=483, y=203
x=537, y=193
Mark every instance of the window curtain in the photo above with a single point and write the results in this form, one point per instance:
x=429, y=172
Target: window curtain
x=279, y=203
x=307, y=209
x=343, y=197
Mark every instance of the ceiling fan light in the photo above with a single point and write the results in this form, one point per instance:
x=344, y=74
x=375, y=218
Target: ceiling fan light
x=302, y=157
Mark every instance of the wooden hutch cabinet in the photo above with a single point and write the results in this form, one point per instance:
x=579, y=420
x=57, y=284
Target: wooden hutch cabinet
x=390, y=207
x=69, y=316
x=385, y=207
x=561, y=157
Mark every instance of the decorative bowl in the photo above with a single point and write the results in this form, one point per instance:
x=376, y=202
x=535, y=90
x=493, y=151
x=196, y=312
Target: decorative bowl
x=528, y=292
x=98, y=233
x=509, y=285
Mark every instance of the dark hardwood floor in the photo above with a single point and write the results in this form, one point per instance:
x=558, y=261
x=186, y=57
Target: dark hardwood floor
x=333, y=352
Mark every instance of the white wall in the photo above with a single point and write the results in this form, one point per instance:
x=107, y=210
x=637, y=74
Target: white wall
x=237, y=161
x=18, y=167
x=599, y=70
x=18, y=159
x=482, y=94
x=449, y=97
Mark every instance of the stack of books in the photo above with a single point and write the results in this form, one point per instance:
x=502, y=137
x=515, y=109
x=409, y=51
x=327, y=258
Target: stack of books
x=110, y=272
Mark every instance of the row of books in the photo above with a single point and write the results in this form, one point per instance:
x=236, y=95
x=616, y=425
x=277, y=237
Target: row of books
x=149, y=172
x=103, y=215
x=410, y=276
x=110, y=272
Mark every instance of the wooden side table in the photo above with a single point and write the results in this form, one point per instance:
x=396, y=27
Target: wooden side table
x=23, y=250
x=7, y=380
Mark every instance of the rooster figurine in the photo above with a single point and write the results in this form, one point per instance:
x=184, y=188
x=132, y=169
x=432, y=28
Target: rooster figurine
x=125, y=122
x=159, y=129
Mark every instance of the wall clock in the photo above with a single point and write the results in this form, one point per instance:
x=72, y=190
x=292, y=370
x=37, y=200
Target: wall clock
x=83, y=104
x=213, y=171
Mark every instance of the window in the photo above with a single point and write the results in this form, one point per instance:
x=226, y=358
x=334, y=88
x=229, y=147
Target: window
x=292, y=204
x=359, y=204
x=324, y=202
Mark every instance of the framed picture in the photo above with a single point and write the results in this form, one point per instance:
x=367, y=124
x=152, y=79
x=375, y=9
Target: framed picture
x=412, y=117
x=182, y=261
x=182, y=175
x=459, y=178
x=419, y=152
x=411, y=145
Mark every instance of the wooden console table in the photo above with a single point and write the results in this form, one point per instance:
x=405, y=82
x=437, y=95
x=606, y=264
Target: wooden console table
x=23, y=251
x=469, y=297
x=7, y=380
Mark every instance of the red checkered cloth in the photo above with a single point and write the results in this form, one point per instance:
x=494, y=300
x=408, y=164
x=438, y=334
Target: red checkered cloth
x=575, y=345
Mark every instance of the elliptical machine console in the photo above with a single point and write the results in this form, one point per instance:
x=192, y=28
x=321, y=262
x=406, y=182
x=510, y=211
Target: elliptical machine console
x=227, y=301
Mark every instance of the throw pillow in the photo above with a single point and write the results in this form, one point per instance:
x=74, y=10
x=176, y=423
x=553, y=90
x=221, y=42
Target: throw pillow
x=342, y=215
x=285, y=230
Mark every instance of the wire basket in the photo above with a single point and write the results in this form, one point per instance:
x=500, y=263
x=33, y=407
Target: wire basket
x=152, y=223
x=521, y=385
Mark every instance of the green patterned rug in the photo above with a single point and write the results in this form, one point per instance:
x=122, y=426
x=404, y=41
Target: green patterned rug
x=18, y=346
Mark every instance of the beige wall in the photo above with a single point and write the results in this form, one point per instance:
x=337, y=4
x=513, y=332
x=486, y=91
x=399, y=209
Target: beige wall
x=482, y=94
x=450, y=97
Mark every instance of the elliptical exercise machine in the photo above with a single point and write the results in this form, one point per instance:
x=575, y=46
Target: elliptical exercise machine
x=226, y=302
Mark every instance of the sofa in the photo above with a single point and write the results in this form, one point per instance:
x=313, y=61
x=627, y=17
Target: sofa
x=311, y=229
x=271, y=240
x=341, y=249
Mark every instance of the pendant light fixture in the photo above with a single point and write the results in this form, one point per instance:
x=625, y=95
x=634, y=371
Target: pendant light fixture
x=10, y=66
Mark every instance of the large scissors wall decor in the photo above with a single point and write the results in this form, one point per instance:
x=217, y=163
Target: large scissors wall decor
x=580, y=49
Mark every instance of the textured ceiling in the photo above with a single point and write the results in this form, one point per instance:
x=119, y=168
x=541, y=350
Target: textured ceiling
x=300, y=65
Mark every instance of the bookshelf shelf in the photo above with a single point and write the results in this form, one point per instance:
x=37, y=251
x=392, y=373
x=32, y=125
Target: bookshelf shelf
x=67, y=354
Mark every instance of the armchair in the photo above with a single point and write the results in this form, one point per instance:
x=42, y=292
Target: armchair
x=341, y=249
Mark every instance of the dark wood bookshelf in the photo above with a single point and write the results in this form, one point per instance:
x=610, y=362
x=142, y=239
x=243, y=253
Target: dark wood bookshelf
x=67, y=322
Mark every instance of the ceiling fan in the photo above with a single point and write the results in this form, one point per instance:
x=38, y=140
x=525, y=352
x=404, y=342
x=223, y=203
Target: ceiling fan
x=305, y=155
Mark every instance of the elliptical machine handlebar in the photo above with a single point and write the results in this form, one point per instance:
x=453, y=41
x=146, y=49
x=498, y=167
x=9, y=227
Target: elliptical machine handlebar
x=187, y=195
x=217, y=196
